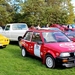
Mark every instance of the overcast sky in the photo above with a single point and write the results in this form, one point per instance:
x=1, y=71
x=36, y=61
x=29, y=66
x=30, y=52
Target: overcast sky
x=73, y=2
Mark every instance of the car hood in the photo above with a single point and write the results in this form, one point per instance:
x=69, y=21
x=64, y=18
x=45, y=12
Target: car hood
x=3, y=37
x=61, y=47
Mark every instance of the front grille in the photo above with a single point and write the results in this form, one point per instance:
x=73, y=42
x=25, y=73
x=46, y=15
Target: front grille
x=71, y=54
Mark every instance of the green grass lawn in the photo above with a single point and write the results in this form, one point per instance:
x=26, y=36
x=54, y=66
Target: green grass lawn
x=12, y=63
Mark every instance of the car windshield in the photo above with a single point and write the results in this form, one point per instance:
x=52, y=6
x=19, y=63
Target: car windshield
x=55, y=37
x=70, y=34
x=56, y=29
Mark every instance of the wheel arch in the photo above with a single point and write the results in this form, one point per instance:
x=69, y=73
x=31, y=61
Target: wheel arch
x=52, y=59
x=26, y=53
x=24, y=48
x=19, y=38
x=50, y=53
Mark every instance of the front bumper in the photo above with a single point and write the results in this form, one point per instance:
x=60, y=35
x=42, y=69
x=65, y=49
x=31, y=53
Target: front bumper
x=66, y=61
x=4, y=42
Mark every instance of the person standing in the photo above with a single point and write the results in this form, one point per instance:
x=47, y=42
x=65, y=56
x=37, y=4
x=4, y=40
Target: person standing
x=38, y=27
x=47, y=25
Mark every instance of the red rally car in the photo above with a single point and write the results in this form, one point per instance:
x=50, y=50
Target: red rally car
x=52, y=47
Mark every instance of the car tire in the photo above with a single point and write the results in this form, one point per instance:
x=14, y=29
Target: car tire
x=4, y=46
x=19, y=39
x=24, y=52
x=49, y=61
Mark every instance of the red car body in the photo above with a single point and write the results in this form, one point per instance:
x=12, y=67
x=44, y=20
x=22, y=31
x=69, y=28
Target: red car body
x=70, y=35
x=63, y=27
x=52, y=47
x=58, y=26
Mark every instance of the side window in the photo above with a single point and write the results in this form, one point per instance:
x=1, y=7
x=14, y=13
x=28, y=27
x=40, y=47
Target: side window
x=19, y=27
x=22, y=27
x=36, y=37
x=7, y=27
x=28, y=36
x=14, y=27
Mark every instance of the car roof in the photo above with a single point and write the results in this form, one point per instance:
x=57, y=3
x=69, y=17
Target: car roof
x=16, y=23
x=41, y=30
x=51, y=28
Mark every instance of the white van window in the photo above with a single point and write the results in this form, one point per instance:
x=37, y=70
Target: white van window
x=19, y=26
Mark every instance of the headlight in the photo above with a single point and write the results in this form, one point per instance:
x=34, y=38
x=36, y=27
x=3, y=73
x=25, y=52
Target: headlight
x=64, y=54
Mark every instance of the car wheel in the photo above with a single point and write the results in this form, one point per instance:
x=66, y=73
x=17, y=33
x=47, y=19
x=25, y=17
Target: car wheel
x=49, y=61
x=4, y=46
x=24, y=52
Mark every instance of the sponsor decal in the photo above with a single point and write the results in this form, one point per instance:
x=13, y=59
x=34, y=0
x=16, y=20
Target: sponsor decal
x=70, y=46
x=37, y=50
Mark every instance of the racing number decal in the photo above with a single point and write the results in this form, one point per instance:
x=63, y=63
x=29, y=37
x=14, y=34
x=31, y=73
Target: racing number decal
x=37, y=50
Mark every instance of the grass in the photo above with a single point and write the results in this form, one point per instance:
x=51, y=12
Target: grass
x=12, y=63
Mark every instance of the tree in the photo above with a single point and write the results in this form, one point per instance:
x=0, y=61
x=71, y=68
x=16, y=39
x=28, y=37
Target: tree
x=5, y=10
x=48, y=11
x=33, y=11
x=70, y=13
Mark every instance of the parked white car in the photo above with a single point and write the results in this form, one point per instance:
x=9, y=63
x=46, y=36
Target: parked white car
x=14, y=30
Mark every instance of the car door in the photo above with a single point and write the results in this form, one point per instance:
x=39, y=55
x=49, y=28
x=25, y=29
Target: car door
x=35, y=48
x=18, y=29
x=7, y=31
x=27, y=40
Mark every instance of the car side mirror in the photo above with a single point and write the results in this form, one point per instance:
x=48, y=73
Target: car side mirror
x=39, y=42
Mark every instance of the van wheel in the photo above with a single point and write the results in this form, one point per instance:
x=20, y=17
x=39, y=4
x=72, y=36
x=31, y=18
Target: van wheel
x=24, y=52
x=19, y=39
x=49, y=61
x=19, y=44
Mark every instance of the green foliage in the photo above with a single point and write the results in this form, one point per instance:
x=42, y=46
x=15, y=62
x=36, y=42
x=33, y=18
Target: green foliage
x=35, y=12
x=49, y=11
x=70, y=7
x=5, y=10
